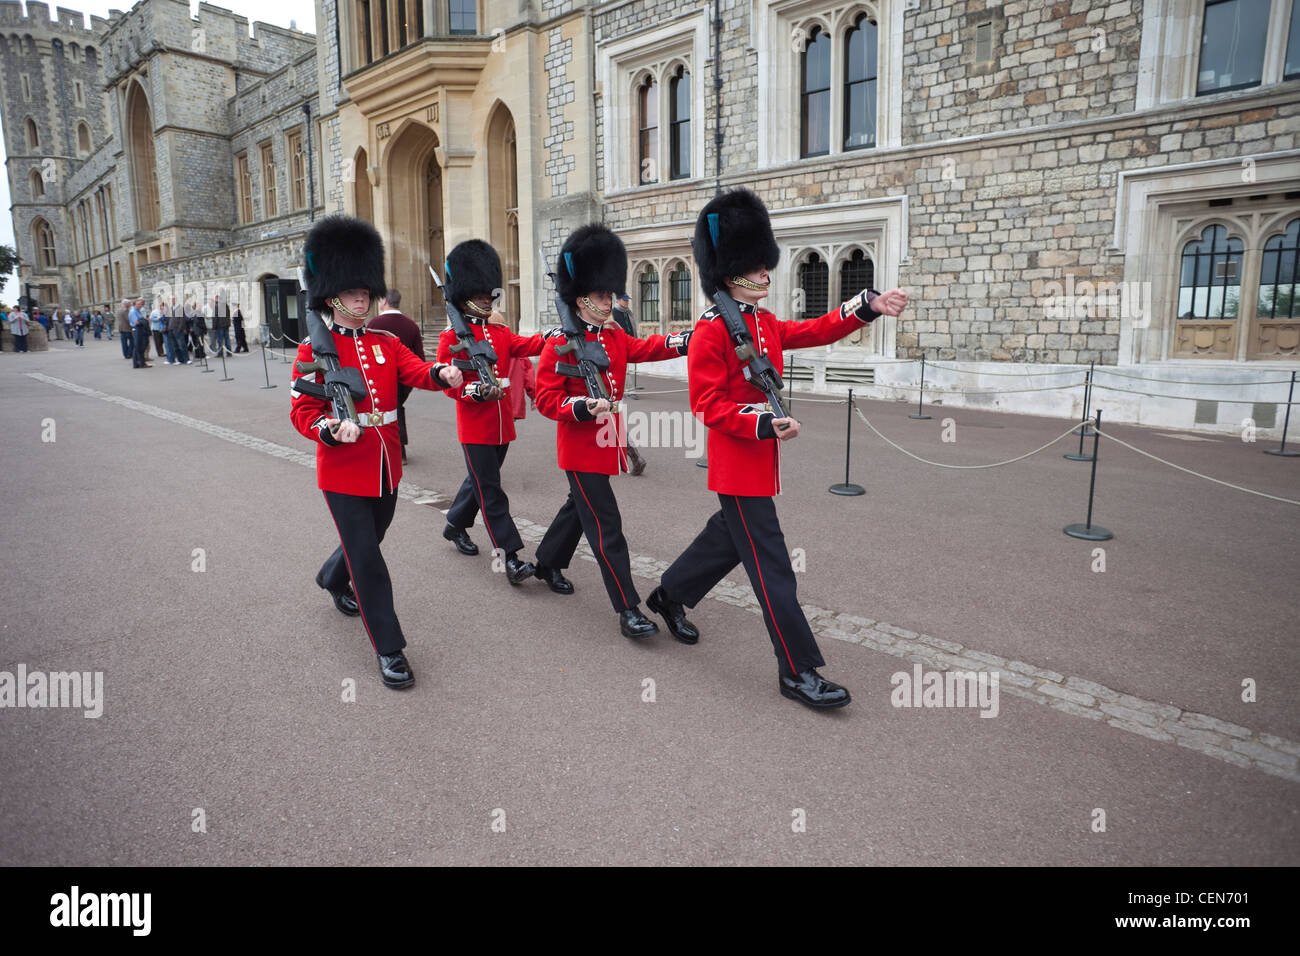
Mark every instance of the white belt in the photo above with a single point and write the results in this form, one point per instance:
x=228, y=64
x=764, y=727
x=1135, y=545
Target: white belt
x=371, y=419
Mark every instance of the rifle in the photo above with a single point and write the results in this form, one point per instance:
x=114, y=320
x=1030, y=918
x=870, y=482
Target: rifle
x=342, y=384
x=482, y=357
x=592, y=361
x=759, y=370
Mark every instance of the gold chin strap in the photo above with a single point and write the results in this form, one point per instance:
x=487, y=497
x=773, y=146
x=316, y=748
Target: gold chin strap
x=747, y=284
x=473, y=307
x=592, y=307
x=338, y=306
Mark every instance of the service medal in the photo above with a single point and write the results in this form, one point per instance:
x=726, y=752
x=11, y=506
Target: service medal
x=379, y=354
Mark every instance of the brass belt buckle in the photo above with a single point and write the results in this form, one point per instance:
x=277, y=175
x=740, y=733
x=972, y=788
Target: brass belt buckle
x=376, y=418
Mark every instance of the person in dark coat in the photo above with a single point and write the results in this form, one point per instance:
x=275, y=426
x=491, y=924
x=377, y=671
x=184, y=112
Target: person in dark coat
x=391, y=319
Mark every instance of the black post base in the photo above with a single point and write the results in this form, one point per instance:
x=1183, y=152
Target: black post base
x=1280, y=452
x=920, y=417
x=264, y=387
x=847, y=489
x=702, y=463
x=1088, y=532
x=1076, y=456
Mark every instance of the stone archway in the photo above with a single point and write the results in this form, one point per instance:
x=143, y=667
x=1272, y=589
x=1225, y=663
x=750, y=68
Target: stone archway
x=413, y=178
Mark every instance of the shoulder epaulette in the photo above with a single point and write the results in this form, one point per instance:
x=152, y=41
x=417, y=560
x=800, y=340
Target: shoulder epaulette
x=555, y=333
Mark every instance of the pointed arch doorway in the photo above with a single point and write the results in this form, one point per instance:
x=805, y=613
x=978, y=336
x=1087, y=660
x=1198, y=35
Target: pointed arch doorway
x=416, y=213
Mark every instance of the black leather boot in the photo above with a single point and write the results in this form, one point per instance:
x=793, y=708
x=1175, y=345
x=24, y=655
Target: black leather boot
x=810, y=688
x=634, y=624
x=395, y=671
x=460, y=539
x=674, y=616
x=554, y=579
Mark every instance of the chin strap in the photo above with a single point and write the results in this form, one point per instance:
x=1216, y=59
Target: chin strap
x=338, y=306
x=592, y=307
x=475, y=309
x=744, y=283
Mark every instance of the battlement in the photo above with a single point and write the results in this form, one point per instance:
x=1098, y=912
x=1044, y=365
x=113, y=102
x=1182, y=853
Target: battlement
x=215, y=32
x=36, y=21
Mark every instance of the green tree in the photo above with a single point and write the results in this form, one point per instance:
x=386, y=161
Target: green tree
x=8, y=262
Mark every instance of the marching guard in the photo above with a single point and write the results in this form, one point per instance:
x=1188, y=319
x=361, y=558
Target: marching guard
x=590, y=436
x=485, y=425
x=734, y=249
x=358, y=466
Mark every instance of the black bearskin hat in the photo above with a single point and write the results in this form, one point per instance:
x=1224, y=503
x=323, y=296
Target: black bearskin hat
x=737, y=241
x=343, y=253
x=592, y=260
x=473, y=268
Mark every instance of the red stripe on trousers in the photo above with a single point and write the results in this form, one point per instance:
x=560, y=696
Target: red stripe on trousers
x=481, y=506
x=600, y=538
x=759, y=568
x=344, y=549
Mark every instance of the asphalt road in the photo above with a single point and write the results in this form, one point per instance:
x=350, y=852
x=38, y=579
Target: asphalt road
x=223, y=688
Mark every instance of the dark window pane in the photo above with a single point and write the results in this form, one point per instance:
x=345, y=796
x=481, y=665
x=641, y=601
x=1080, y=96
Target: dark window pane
x=817, y=62
x=680, y=143
x=817, y=123
x=650, y=298
x=682, y=96
x=857, y=273
x=681, y=146
x=814, y=280
x=462, y=19
x=680, y=284
x=860, y=115
x=1292, y=68
x=1232, y=45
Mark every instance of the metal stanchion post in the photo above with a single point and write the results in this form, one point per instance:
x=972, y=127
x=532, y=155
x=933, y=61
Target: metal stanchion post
x=1087, y=405
x=225, y=375
x=789, y=388
x=920, y=412
x=265, y=373
x=1286, y=423
x=1090, y=531
x=848, y=488
x=1082, y=430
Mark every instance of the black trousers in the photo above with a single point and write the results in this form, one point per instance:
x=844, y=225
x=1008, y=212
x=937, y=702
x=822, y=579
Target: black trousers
x=403, y=393
x=481, y=491
x=592, y=509
x=746, y=531
x=362, y=522
x=140, y=340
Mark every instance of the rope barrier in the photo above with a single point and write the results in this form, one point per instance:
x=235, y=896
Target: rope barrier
x=1179, y=381
x=1217, y=481
x=1024, y=374
x=980, y=391
x=941, y=464
x=1185, y=398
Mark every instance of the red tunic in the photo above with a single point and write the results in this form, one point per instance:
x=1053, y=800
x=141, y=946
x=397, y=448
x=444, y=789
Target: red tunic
x=487, y=423
x=741, y=463
x=358, y=468
x=598, y=446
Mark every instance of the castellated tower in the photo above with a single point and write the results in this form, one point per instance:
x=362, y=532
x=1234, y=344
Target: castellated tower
x=54, y=116
x=122, y=141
